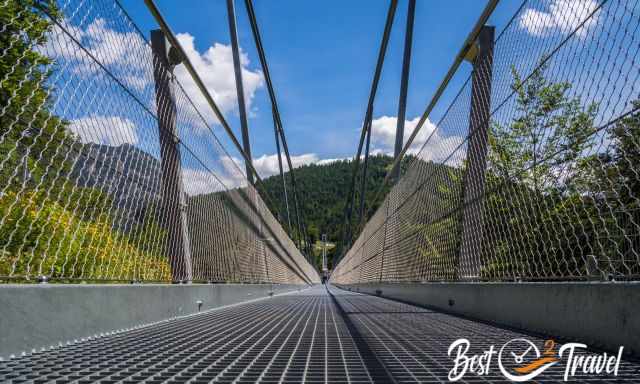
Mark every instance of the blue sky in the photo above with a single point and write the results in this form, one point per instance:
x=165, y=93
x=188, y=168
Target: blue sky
x=322, y=57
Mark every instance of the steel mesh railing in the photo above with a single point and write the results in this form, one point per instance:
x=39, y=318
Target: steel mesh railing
x=109, y=171
x=531, y=173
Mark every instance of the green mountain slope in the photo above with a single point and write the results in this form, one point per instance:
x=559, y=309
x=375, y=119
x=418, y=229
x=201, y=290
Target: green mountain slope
x=322, y=192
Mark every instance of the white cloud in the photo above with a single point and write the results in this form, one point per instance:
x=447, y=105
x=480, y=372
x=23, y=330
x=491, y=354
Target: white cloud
x=437, y=147
x=119, y=52
x=384, y=132
x=536, y=23
x=197, y=182
x=232, y=174
x=228, y=175
x=563, y=16
x=267, y=165
x=329, y=161
x=107, y=130
x=215, y=67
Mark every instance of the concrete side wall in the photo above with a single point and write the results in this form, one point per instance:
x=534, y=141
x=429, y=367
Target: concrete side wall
x=603, y=315
x=36, y=316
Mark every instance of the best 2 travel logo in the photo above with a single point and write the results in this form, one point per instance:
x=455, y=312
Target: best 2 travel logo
x=520, y=360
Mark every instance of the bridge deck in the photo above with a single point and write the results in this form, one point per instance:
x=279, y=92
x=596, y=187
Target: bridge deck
x=310, y=336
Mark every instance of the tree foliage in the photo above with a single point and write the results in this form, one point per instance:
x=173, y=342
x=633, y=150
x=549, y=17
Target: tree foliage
x=32, y=136
x=49, y=223
x=559, y=205
x=549, y=136
x=322, y=192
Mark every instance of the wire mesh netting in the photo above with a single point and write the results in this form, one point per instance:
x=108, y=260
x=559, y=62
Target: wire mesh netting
x=109, y=170
x=532, y=173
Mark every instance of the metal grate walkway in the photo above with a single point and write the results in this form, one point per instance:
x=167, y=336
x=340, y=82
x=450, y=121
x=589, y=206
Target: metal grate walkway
x=310, y=336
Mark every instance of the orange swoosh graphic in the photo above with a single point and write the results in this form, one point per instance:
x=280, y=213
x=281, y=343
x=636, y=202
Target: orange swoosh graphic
x=535, y=364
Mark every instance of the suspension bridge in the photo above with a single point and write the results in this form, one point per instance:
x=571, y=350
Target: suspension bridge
x=138, y=243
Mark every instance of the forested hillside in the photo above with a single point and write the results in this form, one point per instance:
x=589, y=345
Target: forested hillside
x=323, y=189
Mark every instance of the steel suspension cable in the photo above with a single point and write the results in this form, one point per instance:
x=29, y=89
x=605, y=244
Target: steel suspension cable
x=276, y=115
x=205, y=92
x=284, y=181
x=209, y=99
x=404, y=85
x=466, y=46
x=367, y=122
x=402, y=107
x=237, y=70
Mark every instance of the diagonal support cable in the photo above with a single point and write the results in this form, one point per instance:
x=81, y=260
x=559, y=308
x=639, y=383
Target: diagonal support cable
x=367, y=121
x=278, y=121
x=466, y=46
x=153, y=8
x=280, y=168
x=404, y=86
x=237, y=70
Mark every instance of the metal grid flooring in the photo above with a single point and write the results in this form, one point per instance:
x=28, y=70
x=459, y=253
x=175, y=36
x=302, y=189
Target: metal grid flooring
x=310, y=337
